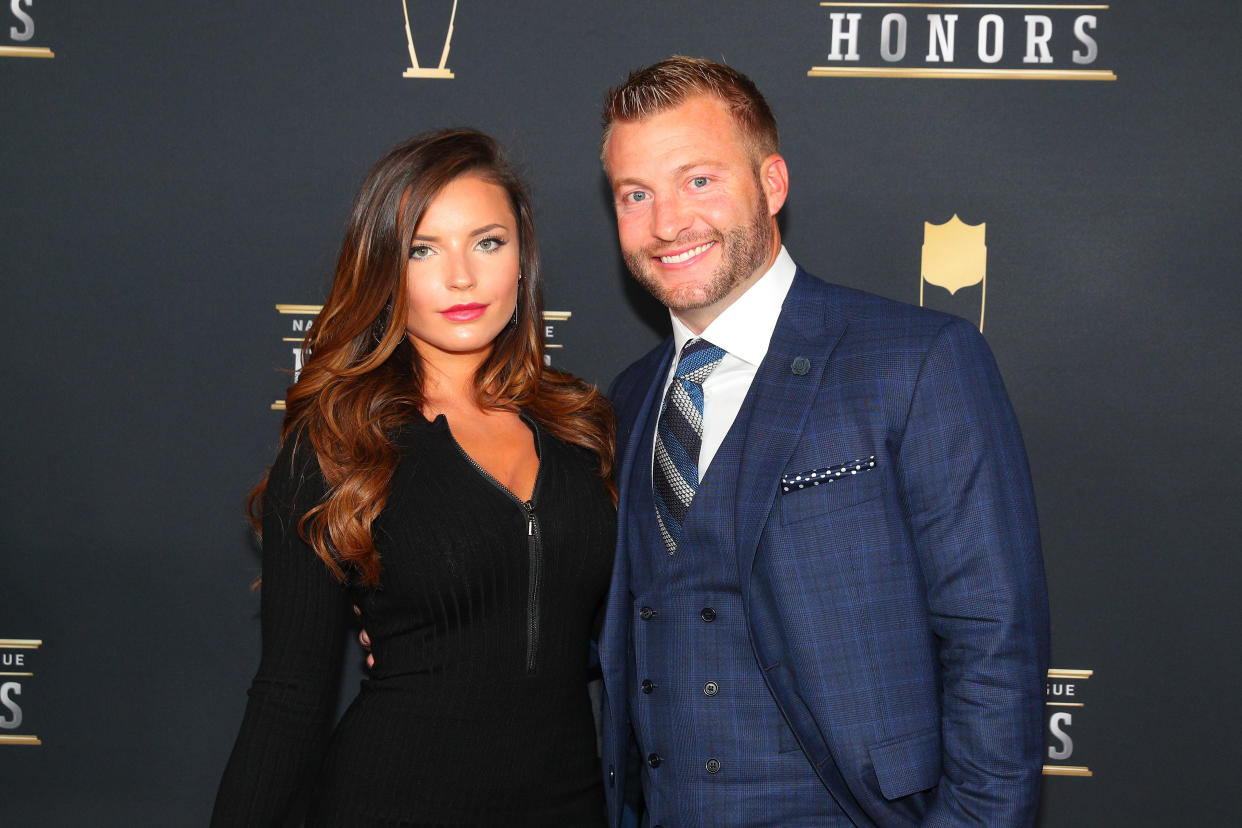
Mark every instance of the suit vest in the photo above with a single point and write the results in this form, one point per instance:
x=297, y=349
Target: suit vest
x=714, y=745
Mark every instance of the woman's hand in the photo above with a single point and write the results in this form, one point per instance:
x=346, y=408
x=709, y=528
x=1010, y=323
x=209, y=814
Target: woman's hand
x=365, y=641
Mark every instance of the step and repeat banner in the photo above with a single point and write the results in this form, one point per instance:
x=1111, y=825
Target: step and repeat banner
x=175, y=179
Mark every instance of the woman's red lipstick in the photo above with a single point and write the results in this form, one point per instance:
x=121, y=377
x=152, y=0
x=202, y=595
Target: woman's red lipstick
x=464, y=313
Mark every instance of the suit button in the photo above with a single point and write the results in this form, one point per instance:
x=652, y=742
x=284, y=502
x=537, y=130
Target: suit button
x=645, y=613
x=654, y=760
x=711, y=688
x=708, y=614
x=648, y=685
x=713, y=765
x=612, y=777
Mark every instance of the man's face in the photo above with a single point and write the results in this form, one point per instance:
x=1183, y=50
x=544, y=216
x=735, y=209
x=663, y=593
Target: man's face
x=694, y=216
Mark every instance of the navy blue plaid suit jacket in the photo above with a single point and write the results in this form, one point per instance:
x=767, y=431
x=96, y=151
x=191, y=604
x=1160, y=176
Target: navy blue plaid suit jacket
x=899, y=615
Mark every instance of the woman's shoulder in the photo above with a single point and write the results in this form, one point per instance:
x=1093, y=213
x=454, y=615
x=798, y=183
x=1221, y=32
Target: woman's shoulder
x=297, y=469
x=295, y=478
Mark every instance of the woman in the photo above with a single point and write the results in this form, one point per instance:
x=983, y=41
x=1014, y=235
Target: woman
x=436, y=475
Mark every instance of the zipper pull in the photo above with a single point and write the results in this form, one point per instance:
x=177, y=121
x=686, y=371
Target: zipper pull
x=530, y=518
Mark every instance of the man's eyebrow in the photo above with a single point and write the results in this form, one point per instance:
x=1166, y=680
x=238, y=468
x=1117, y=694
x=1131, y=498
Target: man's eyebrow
x=703, y=162
x=679, y=171
x=625, y=182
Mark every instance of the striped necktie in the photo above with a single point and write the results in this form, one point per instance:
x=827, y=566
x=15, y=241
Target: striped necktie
x=679, y=436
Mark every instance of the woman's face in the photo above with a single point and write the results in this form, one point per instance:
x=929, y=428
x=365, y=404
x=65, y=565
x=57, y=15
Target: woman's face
x=462, y=274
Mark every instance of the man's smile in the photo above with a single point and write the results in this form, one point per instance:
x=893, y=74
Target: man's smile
x=686, y=255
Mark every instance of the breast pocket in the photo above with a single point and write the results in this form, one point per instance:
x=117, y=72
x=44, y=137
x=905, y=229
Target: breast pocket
x=803, y=499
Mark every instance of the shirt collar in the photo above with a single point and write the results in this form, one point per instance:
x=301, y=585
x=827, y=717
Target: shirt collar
x=745, y=328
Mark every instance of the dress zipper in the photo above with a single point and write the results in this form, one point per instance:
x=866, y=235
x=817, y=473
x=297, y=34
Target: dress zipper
x=534, y=581
x=534, y=547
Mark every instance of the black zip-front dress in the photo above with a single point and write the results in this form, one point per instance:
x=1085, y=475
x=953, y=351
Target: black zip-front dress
x=477, y=711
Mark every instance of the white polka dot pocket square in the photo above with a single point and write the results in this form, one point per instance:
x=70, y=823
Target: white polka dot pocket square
x=828, y=474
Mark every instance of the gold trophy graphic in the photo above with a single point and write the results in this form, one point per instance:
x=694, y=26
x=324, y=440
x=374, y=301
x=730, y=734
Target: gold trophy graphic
x=955, y=256
x=416, y=71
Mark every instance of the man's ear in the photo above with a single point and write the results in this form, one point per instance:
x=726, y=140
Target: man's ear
x=774, y=178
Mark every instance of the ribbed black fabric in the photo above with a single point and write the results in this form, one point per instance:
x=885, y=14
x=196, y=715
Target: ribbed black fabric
x=452, y=727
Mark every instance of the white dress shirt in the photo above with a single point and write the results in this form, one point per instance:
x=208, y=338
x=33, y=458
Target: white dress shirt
x=743, y=330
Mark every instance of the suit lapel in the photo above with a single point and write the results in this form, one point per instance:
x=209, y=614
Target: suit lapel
x=777, y=407
x=639, y=518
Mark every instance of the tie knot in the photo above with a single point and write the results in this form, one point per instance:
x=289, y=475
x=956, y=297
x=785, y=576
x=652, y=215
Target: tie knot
x=698, y=359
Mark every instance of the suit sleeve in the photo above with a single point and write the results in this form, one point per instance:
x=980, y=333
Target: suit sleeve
x=965, y=480
x=291, y=703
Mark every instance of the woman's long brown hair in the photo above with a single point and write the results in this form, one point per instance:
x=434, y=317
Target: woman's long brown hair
x=363, y=379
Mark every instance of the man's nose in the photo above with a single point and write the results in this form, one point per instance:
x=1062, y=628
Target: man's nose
x=670, y=218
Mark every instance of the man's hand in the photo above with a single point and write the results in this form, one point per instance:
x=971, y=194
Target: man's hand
x=365, y=641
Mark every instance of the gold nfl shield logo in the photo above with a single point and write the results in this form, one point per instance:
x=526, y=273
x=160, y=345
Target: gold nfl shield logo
x=955, y=256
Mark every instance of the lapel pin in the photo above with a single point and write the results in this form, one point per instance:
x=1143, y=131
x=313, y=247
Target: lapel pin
x=801, y=366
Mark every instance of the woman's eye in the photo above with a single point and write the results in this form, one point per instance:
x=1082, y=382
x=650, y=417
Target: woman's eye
x=491, y=245
x=698, y=182
x=420, y=251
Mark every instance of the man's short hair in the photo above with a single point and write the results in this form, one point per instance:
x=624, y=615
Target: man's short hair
x=673, y=81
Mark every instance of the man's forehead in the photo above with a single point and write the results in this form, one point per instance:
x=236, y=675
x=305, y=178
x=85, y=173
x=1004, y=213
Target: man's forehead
x=698, y=131
x=703, y=111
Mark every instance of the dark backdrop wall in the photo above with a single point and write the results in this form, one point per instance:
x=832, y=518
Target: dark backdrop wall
x=170, y=173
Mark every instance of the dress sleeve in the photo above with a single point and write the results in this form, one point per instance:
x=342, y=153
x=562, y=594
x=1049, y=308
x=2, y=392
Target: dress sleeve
x=280, y=748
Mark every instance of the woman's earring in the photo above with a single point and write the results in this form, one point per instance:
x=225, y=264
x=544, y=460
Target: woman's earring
x=513, y=321
x=380, y=325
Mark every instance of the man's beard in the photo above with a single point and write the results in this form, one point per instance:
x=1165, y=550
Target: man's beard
x=743, y=250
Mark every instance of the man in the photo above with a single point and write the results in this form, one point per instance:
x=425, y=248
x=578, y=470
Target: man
x=828, y=606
